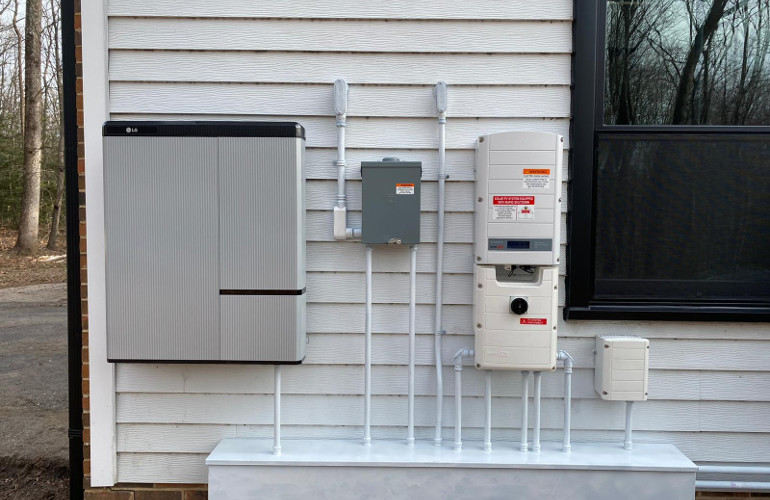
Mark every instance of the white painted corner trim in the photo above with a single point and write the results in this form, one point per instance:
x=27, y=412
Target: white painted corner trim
x=102, y=373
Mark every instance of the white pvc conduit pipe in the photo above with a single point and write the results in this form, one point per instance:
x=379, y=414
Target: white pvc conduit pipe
x=368, y=352
x=732, y=485
x=568, y=363
x=488, y=415
x=524, y=410
x=458, y=404
x=733, y=469
x=277, y=410
x=536, y=431
x=628, y=443
x=412, y=338
x=458, y=360
x=341, y=229
x=440, y=92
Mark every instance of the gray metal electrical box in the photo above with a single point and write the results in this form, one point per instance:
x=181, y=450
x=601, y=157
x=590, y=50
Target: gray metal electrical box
x=205, y=241
x=390, y=195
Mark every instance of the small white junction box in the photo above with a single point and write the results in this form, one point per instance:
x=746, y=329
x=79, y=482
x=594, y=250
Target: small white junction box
x=622, y=367
x=518, y=198
x=515, y=312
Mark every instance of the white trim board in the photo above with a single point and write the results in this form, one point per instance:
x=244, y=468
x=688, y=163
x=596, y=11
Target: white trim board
x=101, y=373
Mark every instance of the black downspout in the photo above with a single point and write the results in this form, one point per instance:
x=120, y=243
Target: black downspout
x=74, y=322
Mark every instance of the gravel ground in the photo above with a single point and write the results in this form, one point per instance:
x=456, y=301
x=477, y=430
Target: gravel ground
x=33, y=375
x=33, y=372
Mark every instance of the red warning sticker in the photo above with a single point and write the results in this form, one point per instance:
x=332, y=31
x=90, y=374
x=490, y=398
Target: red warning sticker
x=534, y=321
x=513, y=200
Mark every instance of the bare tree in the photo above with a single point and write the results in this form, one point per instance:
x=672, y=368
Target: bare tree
x=703, y=33
x=19, y=67
x=56, y=216
x=33, y=100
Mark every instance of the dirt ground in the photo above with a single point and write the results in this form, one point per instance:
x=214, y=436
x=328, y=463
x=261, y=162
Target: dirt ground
x=33, y=374
x=18, y=270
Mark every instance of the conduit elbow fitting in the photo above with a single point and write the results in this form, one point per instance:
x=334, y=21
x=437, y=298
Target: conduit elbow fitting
x=568, y=360
x=458, y=358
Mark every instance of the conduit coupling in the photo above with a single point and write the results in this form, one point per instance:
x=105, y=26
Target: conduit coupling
x=568, y=364
x=458, y=360
x=341, y=229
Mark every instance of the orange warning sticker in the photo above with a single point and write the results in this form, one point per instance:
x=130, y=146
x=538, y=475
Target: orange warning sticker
x=534, y=321
x=404, y=188
x=536, y=178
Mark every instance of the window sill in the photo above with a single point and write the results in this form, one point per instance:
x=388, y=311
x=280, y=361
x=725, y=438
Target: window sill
x=669, y=312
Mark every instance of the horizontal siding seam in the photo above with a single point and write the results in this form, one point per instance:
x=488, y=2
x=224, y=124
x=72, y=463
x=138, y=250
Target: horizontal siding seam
x=343, y=52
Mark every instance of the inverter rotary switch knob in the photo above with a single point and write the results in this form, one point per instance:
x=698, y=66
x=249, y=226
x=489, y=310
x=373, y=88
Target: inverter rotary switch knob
x=519, y=306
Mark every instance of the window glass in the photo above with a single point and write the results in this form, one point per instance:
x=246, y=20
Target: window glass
x=692, y=210
x=679, y=62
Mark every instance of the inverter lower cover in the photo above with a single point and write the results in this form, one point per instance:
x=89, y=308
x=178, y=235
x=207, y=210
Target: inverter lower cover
x=205, y=241
x=511, y=338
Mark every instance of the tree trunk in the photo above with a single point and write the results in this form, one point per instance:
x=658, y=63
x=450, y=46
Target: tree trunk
x=741, y=94
x=54, y=234
x=703, y=33
x=625, y=113
x=30, y=201
x=19, y=65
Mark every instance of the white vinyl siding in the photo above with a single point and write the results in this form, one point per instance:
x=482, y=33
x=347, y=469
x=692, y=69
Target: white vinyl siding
x=508, y=67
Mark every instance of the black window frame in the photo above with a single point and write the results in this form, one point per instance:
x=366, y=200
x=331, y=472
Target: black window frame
x=586, y=125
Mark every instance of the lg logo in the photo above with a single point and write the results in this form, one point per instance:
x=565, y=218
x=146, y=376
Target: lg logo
x=131, y=130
